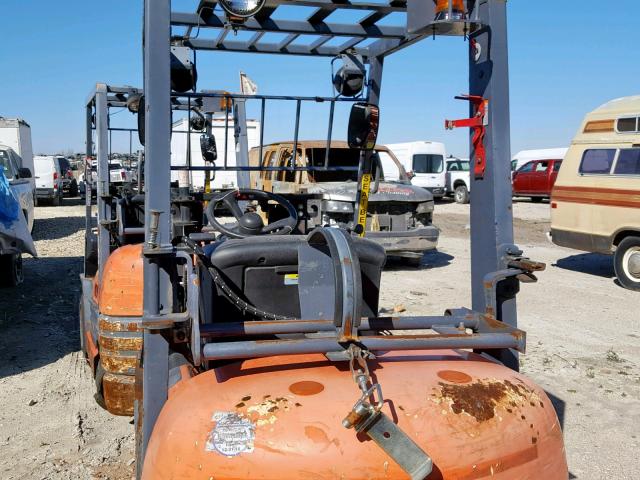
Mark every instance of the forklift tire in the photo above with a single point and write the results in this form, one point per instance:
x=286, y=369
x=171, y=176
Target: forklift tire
x=627, y=263
x=461, y=194
x=11, y=271
x=99, y=395
x=83, y=348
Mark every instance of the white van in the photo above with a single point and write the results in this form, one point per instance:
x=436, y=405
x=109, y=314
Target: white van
x=425, y=161
x=48, y=179
x=525, y=156
x=223, y=179
x=595, y=203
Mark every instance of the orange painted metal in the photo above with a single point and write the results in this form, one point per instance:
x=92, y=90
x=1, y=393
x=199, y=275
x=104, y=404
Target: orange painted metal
x=121, y=287
x=280, y=418
x=119, y=299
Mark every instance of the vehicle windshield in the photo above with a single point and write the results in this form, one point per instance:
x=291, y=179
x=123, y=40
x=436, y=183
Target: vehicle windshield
x=115, y=166
x=5, y=162
x=428, y=163
x=347, y=157
x=338, y=157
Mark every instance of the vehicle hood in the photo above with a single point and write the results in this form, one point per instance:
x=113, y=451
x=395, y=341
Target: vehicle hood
x=387, y=192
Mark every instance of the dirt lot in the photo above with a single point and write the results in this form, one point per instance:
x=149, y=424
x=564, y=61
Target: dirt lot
x=583, y=348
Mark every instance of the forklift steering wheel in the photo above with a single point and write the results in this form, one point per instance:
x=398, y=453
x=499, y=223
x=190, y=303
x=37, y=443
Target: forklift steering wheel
x=250, y=223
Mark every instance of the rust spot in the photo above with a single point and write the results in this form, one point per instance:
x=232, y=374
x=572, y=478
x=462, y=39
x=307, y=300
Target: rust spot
x=120, y=364
x=246, y=399
x=534, y=440
x=116, y=344
x=273, y=409
x=400, y=407
x=119, y=393
x=306, y=388
x=240, y=405
x=454, y=376
x=298, y=404
x=481, y=398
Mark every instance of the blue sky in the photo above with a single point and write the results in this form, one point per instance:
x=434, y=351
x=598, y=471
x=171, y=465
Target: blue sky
x=566, y=58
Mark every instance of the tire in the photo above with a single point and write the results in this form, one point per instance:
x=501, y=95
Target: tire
x=626, y=263
x=56, y=201
x=11, y=271
x=99, y=395
x=73, y=189
x=83, y=348
x=461, y=194
x=536, y=199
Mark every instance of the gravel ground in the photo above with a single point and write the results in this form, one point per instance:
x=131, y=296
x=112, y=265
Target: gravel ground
x=583, y=348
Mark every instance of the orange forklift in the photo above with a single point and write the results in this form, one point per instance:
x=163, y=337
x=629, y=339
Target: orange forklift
x=254, y=349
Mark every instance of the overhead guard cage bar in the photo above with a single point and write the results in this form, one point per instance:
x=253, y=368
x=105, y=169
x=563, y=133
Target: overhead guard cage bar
x=491, y=218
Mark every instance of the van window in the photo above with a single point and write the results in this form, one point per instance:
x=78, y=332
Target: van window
x=597, y=161
x=428, y=163
x=626, y=125
x=628, y=162
x=556, y=166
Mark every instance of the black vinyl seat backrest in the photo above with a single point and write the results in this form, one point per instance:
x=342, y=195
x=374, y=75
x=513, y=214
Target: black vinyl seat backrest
x=263, y=270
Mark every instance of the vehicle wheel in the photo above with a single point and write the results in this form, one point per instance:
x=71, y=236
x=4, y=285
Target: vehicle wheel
x=11, y=272
x=55, y=201
x=73, y=189
x=461, y=194
x=81, y=327
x=627, y=263
x=536, y=199
x=99, y=395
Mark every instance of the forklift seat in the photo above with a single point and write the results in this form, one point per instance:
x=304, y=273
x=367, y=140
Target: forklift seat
x=264, y=269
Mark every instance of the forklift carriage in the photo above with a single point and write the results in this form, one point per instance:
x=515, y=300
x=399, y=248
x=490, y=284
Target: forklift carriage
x=255, y=350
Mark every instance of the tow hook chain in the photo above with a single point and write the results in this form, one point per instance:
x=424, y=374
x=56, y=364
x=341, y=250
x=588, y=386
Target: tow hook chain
x=367, y=416
x=368, y=406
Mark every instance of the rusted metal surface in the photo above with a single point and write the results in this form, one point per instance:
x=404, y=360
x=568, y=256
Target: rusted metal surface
x=119, y=324
x=120, y=363
x=119, y=344
x=119, y=391
x=483, y=398
x=289, y=433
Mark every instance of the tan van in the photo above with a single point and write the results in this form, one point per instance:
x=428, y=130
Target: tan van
x=595, y=204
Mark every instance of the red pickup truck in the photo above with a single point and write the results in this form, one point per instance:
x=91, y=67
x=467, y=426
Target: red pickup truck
x=535, y=179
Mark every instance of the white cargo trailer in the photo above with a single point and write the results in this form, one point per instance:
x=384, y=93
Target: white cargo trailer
x=223, y=179
x=15, y=133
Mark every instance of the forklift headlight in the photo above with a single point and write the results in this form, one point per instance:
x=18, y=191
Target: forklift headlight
x=242, y=8
x=424, y=207
x=333, y=206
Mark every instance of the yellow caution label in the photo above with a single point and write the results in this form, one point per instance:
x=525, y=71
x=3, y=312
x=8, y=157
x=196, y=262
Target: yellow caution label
x=291, y=279
x=365, y=186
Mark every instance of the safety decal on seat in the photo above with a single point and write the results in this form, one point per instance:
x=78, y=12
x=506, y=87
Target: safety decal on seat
x=231, y=434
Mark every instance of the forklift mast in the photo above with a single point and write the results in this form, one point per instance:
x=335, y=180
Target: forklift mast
x=496, y=261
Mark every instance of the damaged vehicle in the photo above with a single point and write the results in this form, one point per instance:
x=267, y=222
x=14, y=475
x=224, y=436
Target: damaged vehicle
x=399, y=215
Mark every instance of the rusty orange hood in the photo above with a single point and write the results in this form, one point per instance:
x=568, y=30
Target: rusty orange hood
x=280, y=418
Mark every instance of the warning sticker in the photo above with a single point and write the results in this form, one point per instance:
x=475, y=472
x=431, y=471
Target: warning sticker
x=291, y=279
x=364, y=202
x=231, y=435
